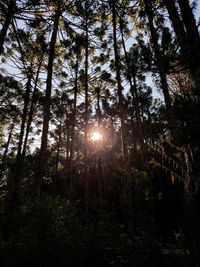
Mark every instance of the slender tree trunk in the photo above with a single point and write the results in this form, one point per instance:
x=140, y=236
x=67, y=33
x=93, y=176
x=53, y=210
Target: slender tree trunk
x=86, y=90
x=98, y=107
x=68, y=146
x=134, y=136
x=4, y=30
x=133, y=87
x=158, y=56
x=112, y=130
x=73, y=122
x=98, y=158
x=24, y=115
x=47, y=104
x=178, y=27
x=161, y=69
x=17, y=171
x=6, y=150
x=189, y=21
x=30, y=117
x=86, y=117
x=100, y=176
x=8, y=18
x=194, y=40
x=55, y=172
x=189, y=41
x=119, y=86
x=58, y=148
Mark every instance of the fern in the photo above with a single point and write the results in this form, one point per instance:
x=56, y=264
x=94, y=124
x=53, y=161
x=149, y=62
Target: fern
x=178, y=161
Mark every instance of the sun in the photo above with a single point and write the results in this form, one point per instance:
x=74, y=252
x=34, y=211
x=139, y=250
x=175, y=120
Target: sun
x=96, y=136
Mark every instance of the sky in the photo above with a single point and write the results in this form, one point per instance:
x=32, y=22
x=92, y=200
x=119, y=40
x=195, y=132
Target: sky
x=149, y=80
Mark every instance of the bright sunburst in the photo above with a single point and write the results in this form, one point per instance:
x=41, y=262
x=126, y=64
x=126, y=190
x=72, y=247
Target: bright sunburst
x=96, y=136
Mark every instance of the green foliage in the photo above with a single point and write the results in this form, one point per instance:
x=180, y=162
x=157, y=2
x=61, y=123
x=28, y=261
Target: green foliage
x=46, y=232
x=51, y=232
x=179, y=163
x=114, y=202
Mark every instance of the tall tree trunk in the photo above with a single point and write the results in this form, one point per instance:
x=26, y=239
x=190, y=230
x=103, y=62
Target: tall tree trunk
x=6, y=150
x=189, y=21
x=8, y=18
x=58, y=148
x=134, y=136
x=158, y=56
x=47, y=104
x=119, y=86
x=4, y=30
x=134, y=91
x=24, y=115
x=112, y=130
x=68, y=145
x=30, y=117
x=73, y=123
x=178, y=27
x=189, y=41
x=98, y=107
x=17, y=171
x=55, y=172
x=86, y=117
x=86, y=89
x=194, y=40
x=98, y=155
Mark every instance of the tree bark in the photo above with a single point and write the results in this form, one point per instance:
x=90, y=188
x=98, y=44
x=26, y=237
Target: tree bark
x=158, y=56
x=194, y=40
x=133, y=89
x=24, y=115
x=73, y=122
x=188, y=40
x=119, y=86
x=6, y=150
x=30, y=117
x=58, y=149
x=86, y=117
x=15, y=185
x=100, y=177
x=47, y=104
x=86, y=89
x=8, y=18
x=4, y=30
x=178, y=27
x=189, y=21
x=98, y=106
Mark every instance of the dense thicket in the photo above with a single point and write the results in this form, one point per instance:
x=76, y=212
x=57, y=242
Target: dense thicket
x=99, y=133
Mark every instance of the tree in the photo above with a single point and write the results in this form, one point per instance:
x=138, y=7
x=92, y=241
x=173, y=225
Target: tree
x=3, y=161
x=77, y=49
x=43, y=151
x=188, y=39
x=118, y=78
x=8, y=11
x=12, y=9
x=133, y=83
x=158, y=55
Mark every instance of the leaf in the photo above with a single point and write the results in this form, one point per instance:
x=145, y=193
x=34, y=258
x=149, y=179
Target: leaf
x=172, y=176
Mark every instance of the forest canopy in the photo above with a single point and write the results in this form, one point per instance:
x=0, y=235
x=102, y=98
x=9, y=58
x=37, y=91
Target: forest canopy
x=99, y=133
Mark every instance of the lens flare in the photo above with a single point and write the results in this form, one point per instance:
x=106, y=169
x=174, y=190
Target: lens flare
x=95, y=136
